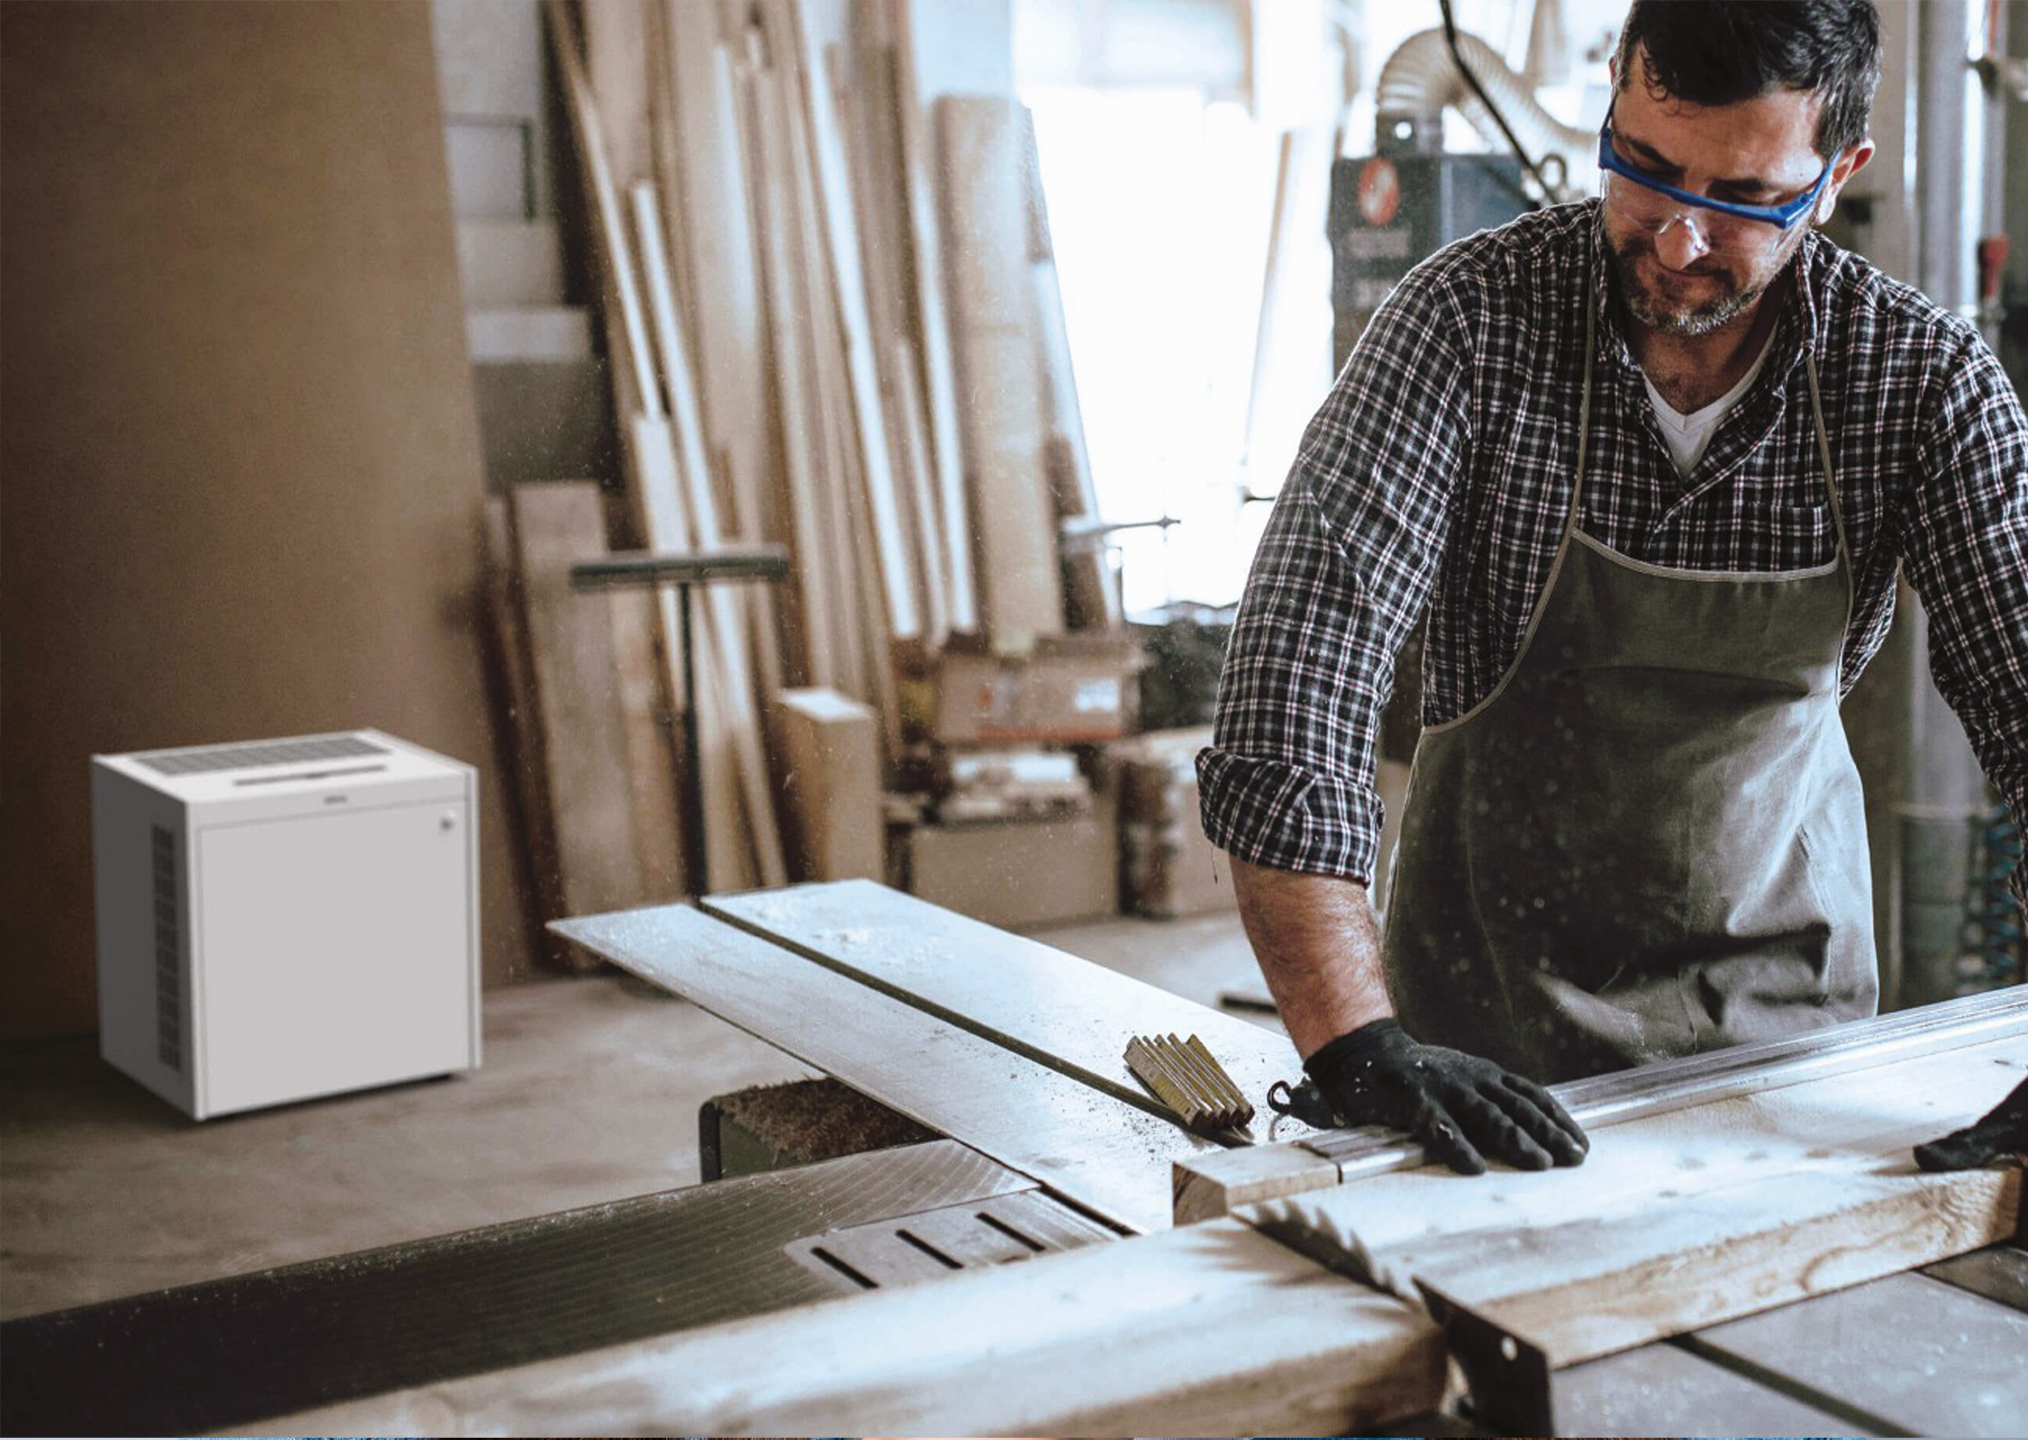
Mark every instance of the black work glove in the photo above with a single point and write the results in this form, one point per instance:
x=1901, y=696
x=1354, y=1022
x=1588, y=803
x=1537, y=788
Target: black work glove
x=1456, y=1104
x=2004, y=1131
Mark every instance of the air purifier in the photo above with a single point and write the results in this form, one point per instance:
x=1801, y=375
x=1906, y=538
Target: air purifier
x=285, y=919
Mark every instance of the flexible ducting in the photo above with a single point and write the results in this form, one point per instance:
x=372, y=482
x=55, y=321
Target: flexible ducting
x=1420, y=79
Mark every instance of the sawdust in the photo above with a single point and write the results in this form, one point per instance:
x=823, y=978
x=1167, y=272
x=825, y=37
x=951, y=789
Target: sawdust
x=819, y=1119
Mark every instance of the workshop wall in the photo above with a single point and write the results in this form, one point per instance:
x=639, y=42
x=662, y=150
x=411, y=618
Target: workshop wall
x=242, y=463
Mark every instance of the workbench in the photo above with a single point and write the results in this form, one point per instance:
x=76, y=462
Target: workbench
x=1747, y=1249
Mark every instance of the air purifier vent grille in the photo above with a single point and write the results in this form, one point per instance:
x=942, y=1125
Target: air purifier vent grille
x=273, y=752
x=168, y=951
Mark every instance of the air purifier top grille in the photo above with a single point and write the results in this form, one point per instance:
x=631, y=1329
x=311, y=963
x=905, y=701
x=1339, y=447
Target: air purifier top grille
x=273, y=752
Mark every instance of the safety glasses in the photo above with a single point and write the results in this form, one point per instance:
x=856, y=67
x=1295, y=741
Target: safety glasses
x=1780, y=216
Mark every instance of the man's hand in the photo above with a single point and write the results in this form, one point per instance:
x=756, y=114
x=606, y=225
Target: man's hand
x=2004, y=1131
x=1457, y=1105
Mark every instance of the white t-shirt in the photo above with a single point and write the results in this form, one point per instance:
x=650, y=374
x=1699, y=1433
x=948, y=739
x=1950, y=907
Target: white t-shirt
x=1688, y=436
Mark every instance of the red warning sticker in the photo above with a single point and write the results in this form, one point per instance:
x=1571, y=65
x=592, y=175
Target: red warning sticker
x=1379, y=191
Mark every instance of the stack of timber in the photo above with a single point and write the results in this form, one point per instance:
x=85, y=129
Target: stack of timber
x=833, y=326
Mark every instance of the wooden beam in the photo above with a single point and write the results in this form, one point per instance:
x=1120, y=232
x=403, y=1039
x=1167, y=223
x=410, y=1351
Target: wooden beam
x=1666, y=1266
x=1683, y=1219
x=1213, y=1330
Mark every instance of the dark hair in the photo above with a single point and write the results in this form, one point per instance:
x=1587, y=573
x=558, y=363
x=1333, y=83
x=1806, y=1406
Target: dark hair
x=1719, y=52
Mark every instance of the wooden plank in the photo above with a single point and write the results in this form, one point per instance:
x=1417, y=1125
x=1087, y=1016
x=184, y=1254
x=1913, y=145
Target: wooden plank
x=861, y=119
x=813, y=615
x=616, y=54
x=618, y=267
x=828, y=754
x=1208, y=1186
x=1021, y=592
x=584, y=746
x=1055, y=1008
x=647, y=711
x=834, y=211
x=915, y=467
x=542, y=893
x=1679, y=1220
x=725, y=633
x=728, y=853
x=857, y=596
x=704, y=188
x=1208, y=1331
x=1108, y=1156
x=1590, y=1287
x=1091, y=587
x=939, y=368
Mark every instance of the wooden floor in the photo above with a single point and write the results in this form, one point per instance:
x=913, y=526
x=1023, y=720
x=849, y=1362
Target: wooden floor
x=589, y=1092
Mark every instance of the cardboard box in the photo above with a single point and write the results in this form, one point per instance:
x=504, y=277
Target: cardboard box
x=1018, y=873
x=828, y=761
x=1168, y=868
x=1068, y=690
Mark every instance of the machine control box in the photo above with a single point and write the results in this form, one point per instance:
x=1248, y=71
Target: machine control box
x=1389, y=213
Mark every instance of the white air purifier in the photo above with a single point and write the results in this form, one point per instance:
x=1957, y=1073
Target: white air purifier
x=285, y=919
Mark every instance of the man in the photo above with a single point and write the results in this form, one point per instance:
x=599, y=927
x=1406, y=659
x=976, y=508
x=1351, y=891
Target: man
x=1650, y=463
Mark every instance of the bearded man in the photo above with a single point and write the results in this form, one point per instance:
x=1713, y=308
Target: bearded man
x=1650, y=465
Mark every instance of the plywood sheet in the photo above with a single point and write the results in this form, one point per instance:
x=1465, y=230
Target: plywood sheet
x=1213, y=1330
x=1106, y=1155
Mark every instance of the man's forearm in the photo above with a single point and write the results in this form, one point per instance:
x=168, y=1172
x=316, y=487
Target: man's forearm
x=1318, y=943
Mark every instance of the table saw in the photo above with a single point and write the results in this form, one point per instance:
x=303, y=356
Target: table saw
x=1748, y=1248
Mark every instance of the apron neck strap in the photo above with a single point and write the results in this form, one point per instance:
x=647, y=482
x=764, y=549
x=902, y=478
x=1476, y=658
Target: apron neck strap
x=1591, y=304
x=1591, y=300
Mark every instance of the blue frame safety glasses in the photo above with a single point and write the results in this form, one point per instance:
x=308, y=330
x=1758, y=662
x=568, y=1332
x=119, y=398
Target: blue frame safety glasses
x=1780, y=216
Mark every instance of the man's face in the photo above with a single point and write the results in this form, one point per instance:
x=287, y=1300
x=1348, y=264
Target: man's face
x=1685, y=270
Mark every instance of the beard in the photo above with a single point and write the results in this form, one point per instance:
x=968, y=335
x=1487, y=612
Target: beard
x=1738, y=286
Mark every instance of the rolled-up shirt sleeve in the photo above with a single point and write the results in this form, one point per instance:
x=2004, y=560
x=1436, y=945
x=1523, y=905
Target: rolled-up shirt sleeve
x=1966, y=552
x=1342, y=574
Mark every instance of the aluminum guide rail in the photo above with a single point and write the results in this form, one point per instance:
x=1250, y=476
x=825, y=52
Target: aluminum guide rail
x=1743, y=1070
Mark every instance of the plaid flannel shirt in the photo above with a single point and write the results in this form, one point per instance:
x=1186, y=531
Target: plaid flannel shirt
x=1439, y=471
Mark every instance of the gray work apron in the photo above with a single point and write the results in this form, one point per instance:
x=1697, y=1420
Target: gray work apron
x=1649, y=839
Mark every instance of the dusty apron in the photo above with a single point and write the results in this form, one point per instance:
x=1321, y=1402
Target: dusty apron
x=1648, y=840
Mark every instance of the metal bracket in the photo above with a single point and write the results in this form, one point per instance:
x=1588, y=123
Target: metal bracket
x=1506, y=1376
